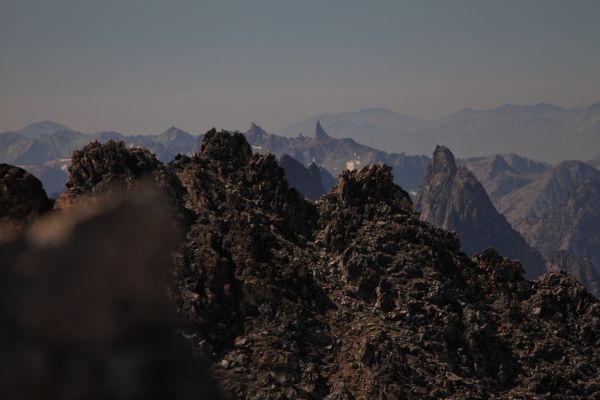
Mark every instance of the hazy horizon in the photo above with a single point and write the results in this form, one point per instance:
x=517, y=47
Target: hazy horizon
x=201, y=130
x=142, y=66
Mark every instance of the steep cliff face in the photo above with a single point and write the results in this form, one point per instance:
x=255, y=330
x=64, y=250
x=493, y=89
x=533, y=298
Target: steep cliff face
x=354, y=297
x=573, y=225
x=452, y=198
x=560, y=210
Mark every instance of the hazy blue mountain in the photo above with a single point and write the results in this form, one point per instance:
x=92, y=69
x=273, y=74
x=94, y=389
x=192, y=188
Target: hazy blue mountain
x=543, y=131
x=502, y=174
x=41, y=128
x=39, y=150
x=168, y=144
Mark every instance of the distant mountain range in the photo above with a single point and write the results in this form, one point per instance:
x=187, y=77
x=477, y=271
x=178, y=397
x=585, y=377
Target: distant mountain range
x=543, y=131
x=337, y=155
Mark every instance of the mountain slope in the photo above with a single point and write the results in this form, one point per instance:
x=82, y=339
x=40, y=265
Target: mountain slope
x=452, y=198
x=546, y=192
x=573, y=225
x=502, y=174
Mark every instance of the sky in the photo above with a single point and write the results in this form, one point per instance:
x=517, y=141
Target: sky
x=143, y=66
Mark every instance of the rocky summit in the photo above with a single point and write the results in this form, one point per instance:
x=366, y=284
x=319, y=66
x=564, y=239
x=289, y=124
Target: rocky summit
x=352, y=297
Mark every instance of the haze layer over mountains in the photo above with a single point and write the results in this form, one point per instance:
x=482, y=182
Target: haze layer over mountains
x=543, y=131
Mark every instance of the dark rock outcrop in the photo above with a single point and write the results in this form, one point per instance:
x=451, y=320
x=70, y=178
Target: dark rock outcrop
x=98, y=169
x=452, y=198
x=22, y=197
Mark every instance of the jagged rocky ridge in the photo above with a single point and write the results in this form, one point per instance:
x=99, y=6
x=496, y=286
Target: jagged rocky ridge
x=451, y=197
x=354, y=297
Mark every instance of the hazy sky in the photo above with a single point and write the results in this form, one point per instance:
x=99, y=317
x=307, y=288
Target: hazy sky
x=142, y=66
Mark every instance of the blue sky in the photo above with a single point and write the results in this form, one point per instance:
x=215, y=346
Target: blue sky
x=142, y=66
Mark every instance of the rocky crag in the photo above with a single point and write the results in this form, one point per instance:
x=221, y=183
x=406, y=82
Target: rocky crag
x=353, y=297
x=452, y=198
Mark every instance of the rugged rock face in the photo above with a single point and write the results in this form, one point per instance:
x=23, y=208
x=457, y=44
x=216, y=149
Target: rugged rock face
x=22, y=198
x=581, y=268
x=574, y=225
x=452, y=198
x=560, y=210
x=367, y=300
x=354, y=297
x=547, y=192
x=305, y=180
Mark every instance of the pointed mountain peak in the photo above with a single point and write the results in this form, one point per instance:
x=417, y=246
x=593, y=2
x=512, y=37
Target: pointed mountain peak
x=320, y=133
x=498, y=165
x=443, y=160
x=255, y=132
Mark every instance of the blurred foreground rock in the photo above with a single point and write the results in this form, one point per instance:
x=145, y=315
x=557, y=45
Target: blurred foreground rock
x=83, y=307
